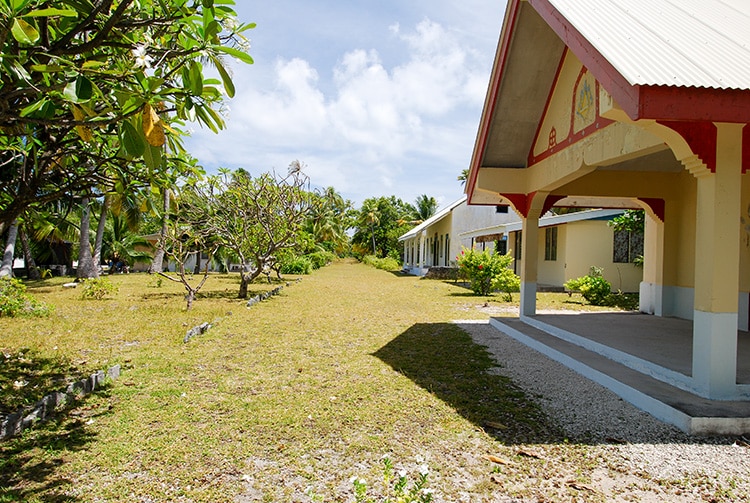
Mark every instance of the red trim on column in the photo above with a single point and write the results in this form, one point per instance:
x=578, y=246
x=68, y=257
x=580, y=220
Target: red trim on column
x=745, y=149
x=657, y=206
x=701, y=136
x=520, y=202
x=549, y=202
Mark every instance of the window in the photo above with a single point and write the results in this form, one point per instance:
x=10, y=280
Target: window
x=501, y=208
x=501, y=246
x=550, y=243
x=517, y=245
x=627, y=246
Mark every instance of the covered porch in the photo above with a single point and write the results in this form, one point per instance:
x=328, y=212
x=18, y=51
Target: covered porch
x=645, y=359
x=603, y=105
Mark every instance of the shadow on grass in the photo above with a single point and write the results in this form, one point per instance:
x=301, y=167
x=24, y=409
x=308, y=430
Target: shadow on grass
x=26, y=376
x=443, y=359
x=29, y=463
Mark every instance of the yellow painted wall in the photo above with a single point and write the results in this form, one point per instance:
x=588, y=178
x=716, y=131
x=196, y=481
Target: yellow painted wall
x=745, y=235
x=553, y=272
x=679, y=235
x=579, y=246
x=590, y=243
x=442, y=227
x=558, y=112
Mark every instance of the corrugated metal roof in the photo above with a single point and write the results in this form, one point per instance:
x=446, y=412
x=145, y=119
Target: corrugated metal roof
x=692, y=43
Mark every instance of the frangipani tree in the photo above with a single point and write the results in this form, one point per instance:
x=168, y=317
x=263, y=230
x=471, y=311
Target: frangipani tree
x=86, y=84
x=253, y=218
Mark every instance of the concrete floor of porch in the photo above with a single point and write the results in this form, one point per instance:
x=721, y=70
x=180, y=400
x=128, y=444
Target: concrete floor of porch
x=645, y=359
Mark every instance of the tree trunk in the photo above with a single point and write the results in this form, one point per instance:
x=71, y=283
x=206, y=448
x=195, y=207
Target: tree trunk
x=243, y=285
x=157, y=265
x=32, y=271
x=197, y=268
x=97, y=259
x=373, y=241
x=86, y=266
x=190, y=297
x=6, y=270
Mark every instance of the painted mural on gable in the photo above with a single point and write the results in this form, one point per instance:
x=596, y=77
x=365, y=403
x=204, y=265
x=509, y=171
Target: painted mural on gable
x=572, y=110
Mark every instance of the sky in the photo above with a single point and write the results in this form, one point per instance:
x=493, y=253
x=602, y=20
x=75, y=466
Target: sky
x=376, y=98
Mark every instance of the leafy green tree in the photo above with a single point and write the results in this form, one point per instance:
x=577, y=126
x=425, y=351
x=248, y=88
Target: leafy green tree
x=88, y=84
x=379, y=224
x=630, y=220
x=426, y=207
x=329, y=218
x=253, y=218
x=463, y=177
x=122, y=242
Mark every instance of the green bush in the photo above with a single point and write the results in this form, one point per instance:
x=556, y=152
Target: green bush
x=386, y=264
x=296, y=265
x=97, y=288
x=14, y=301
x=320, y=259
x=488, y=272
x=594, y=288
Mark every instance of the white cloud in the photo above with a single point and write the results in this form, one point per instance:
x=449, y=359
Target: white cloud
x=361, y=127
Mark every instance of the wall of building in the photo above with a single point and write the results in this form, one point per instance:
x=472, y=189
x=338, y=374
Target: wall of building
x=469, y=218
x=581, y=245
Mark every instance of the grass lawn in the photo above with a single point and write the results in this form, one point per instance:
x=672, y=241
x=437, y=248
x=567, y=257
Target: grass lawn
x=283, y=401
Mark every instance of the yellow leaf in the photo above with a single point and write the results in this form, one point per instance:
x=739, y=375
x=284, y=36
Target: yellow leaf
x=495, y=459
x=152, y=127
x=84, y=132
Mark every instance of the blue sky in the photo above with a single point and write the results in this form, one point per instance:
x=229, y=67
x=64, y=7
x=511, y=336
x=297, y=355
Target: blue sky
x=377, y=98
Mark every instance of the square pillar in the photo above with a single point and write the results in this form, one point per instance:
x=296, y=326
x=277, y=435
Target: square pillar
x=530, y=265
x=717, y=267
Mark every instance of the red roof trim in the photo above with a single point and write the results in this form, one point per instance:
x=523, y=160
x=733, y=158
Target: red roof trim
x=623, y=92
x=695, y=103
x=489, y=107
x=648, y=102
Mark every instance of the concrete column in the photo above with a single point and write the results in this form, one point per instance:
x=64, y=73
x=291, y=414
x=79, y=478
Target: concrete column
x=717, y=259
x=421, y=251
x=652, y=286
x=530, y=264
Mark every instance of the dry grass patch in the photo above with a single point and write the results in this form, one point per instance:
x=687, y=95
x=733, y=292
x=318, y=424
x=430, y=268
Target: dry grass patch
x=284, y=401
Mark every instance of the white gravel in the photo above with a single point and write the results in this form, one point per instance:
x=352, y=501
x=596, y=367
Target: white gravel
x=633, y=442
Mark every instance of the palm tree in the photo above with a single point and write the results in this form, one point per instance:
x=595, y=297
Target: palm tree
x=122, y=244
x=463, y=176
x=426, y=207
x=370, y=217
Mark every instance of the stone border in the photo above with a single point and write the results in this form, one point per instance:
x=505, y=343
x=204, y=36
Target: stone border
x=266, y=295
x=23, y=418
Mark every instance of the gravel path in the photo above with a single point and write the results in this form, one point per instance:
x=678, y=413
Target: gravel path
x=644, y=457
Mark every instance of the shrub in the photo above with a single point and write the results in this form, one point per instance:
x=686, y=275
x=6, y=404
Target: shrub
x=488, y=272
x=296, y=265
x=320, y=259
x=97, y=288
x=386, y=264
x=14, y=301
x=594, y=288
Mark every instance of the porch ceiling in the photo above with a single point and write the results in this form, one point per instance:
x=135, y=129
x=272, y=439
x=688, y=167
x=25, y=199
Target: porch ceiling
x=533, y=55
